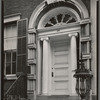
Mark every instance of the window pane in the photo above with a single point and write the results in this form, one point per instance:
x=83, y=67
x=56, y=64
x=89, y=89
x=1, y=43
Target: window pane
x=14, y=68
x=14, y=56
x=14, y=29
x=59, y=17
x=6, y=44
x=13, y=43
x=5, y=35
x=8, y=68
x=8, y=30
x=8, y=57
x=10, y=62
x=53, y=20
x=10, y=36
x=10, y=43
x=66, y=18
x=84, y=47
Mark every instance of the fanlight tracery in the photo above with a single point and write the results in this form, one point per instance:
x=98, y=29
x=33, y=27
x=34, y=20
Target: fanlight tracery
x=60, y=19
x=58, y=16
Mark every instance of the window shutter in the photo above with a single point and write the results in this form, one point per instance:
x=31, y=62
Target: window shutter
x=22, y=47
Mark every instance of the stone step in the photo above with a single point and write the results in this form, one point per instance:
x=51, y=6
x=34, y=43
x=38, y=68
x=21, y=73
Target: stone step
x=59, y=97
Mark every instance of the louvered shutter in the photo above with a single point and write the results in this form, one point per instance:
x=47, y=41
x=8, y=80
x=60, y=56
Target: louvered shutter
x=22, y=47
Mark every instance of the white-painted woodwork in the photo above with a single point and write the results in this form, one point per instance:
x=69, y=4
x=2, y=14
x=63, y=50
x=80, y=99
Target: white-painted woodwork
x=45, y=66
x=81, y=6
x=10, y=36
x=33, y=69
x=60, y=68
x=31, y=53
x=31, y=84
x=93, y=16
x=11, y=18
x=39, y=67
x=52, y=1
x=61, y=41
x=73, y=61
x=31, y=38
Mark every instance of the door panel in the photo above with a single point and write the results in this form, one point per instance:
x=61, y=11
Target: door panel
x=61, y=59
x=61, y=72
x=60, y=68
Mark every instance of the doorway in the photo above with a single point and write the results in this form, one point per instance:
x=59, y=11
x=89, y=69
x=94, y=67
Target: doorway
x=60, y=69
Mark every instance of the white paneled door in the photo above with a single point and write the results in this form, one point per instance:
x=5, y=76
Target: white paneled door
x=60, y=68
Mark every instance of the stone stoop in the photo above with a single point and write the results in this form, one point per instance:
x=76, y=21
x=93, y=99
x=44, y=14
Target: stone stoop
x=59, y=97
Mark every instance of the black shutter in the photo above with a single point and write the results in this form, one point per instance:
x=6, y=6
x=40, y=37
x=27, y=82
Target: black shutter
x=22, y=47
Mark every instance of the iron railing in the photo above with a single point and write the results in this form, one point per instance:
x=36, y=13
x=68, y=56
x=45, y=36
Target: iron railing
x=18, y=90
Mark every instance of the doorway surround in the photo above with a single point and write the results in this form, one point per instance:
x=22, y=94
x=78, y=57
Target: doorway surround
x=45, y=35
x=44, y=56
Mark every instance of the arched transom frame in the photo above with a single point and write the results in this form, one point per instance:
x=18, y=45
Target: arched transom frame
x=58, y=16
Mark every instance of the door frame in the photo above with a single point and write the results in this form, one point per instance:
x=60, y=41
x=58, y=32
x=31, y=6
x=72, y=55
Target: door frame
x=52, y=53
x=50, y=32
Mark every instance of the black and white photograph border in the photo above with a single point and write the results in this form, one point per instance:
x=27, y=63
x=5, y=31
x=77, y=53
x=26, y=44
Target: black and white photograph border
x=49, y=50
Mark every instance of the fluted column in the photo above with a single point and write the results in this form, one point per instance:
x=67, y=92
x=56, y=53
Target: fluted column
x=73, y=60
x=45, y=65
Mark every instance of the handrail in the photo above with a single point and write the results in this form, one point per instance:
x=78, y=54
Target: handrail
x=18, y=88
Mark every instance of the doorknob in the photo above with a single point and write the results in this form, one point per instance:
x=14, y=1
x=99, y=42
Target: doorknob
x=52, y=74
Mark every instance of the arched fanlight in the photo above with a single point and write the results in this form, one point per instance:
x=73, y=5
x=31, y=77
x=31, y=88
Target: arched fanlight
x=60, y=19
x=58, y=16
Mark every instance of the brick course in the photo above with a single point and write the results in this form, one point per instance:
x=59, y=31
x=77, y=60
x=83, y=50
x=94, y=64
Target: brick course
x=25, y=7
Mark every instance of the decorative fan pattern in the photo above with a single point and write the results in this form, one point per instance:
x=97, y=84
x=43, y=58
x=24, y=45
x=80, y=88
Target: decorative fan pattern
x=60, y=19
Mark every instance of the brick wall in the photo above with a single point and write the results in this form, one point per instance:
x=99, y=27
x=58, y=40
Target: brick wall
x=7, y=84
x=25, y=7
x=87, y=3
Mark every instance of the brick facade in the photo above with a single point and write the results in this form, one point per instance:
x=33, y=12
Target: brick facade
x=26, y=8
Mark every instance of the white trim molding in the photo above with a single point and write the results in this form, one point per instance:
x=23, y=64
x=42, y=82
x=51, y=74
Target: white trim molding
x=52, y=1
x=13, y=17
x=10, y=77
x=47, y=37
x=74, y=34
x=78, y=3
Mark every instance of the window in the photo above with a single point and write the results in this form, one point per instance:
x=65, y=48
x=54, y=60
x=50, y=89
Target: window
x=58, y=16
x=10, y=36
x=60, y=19
x=10, y=46
x=10, y=62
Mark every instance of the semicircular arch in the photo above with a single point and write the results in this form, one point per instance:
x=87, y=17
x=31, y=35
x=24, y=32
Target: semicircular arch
x=40, y=8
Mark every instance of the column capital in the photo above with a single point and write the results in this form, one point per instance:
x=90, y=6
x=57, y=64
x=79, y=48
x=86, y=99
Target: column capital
x=44, y=38
x=73, y=34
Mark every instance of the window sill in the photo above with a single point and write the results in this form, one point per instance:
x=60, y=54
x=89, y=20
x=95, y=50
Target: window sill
x=10, y=77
